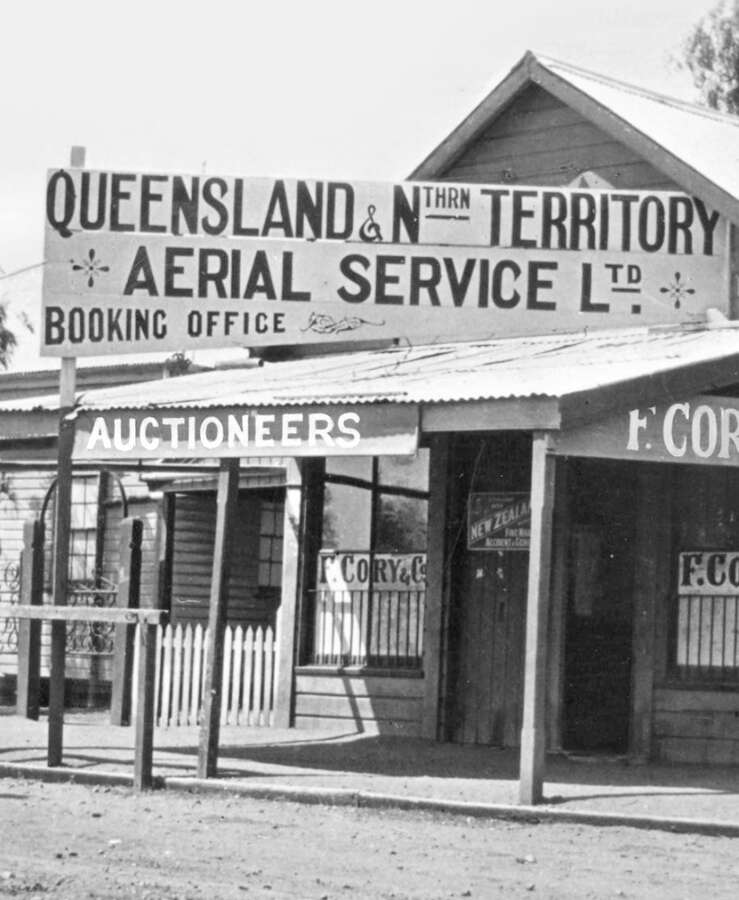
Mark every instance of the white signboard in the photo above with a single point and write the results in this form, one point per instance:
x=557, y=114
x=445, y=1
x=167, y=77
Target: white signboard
x=346, y=570
x=703, y=430
x=361, y=430
x=708, y=573
x=161, y=262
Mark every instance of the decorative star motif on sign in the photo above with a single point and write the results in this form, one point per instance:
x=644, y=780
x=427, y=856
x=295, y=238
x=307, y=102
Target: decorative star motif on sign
x=677, y=290
x=90, y=267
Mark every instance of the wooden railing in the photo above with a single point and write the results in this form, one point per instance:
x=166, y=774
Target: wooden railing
x=248, y=675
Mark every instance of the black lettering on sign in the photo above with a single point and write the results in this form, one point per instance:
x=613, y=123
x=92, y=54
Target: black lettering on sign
x=278, y=213
x=309, y=209
x=149, y=197
x=172, y=270
x=383, y=279
x=348, y=269
x=141, y=276
x=405, y=213
x=117, y=197
x=339, y=194
x=535, y=284
x=185, y=205
x=239, y=228
x=214, y=189
x=424, y=282
x=86, y=220
x=60, y=181
x=651, y=219
x=260, y=278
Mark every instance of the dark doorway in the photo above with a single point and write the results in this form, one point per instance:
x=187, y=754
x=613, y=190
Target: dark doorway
x=488, y=596
x=599, y=615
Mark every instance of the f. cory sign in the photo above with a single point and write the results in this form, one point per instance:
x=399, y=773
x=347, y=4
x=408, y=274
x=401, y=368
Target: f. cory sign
x=169, y=262
x=703, y=430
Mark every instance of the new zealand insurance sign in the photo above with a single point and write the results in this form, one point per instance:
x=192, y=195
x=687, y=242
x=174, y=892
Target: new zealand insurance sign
x=140, y=262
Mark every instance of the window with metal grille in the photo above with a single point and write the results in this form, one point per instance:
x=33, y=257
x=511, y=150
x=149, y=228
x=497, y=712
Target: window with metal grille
x=83, y=529
x=370, y=596
x=270, y=544
x=707, y=616
x=83, y=537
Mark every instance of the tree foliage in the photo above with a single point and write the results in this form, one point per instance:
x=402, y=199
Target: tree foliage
x=711, y=55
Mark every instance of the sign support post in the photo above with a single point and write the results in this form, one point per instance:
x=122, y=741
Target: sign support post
x=228, y=487
x=62, y=511
x=533, y=729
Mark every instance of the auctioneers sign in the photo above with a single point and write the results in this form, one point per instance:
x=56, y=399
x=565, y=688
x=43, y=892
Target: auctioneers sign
x=702, y=430
x=140, y=262
x=279, y=431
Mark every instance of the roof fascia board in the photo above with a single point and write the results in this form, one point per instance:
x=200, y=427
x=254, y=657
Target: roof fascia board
x=19, y=425
x=508, y=414
x=689, y=179
x=584, y=407
x=454, y=144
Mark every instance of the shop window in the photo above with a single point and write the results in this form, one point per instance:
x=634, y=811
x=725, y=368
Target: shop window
x=83, y=529
x=270, y=544
x=83, y=533
x=707, y=617
x=371, y=587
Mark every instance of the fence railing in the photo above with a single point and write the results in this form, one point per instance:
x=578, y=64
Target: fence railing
x=247, y=694
x=708, y=637
x=94, y=638
x=382, y=628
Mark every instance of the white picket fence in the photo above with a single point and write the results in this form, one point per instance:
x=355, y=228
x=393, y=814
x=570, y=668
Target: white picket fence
x=248, y=668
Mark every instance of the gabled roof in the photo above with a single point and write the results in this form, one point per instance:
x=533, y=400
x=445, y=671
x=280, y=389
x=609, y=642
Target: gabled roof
x=696, y=147
x=580, y=376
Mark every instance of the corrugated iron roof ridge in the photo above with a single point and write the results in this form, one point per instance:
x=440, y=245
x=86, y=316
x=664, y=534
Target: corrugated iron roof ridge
x=629, y=88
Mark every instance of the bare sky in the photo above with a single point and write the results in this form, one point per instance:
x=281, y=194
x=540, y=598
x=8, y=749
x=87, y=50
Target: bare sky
x=322, y=88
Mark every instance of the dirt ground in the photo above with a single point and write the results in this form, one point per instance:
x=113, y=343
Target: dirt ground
x=74, y=842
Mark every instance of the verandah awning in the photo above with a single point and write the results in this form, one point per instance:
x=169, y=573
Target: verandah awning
x=553, y=382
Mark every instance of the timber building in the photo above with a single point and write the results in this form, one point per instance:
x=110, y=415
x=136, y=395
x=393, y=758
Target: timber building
x=611, y=622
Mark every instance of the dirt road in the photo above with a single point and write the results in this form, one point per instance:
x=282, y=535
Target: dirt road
x=73, y=842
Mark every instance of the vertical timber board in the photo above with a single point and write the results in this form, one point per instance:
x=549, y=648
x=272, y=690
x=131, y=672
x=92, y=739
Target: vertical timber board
x=664, y=549
x=62, y=510
x=313, y=474
x=165, y=543
x=60, y=574
x=435, y=585
x=29, y=631
x=648, y=526
x=286, y=614
x=129, y=592
x=533, y=730
x=558, y=610
x=228, y=486
x=144, y=737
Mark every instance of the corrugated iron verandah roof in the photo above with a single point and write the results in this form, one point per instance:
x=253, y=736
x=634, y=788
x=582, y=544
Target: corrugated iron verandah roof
x=552, y=366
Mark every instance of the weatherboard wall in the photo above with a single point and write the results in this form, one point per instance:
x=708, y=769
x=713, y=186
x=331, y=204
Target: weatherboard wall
x=539, y=140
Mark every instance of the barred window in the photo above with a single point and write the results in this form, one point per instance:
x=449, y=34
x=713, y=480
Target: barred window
x=707, y=616
x=270, y=544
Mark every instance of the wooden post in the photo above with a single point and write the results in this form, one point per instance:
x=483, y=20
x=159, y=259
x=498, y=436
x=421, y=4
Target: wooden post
x=129, y=589
x=63, y=501
x=313, y=475
x=144, y=736
x=558, y=611
x=435, y=584
x=228, y=486
x=286, y=614
x=29, y=632
x=533, y=730
x=60, y=574
x=650, y=526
